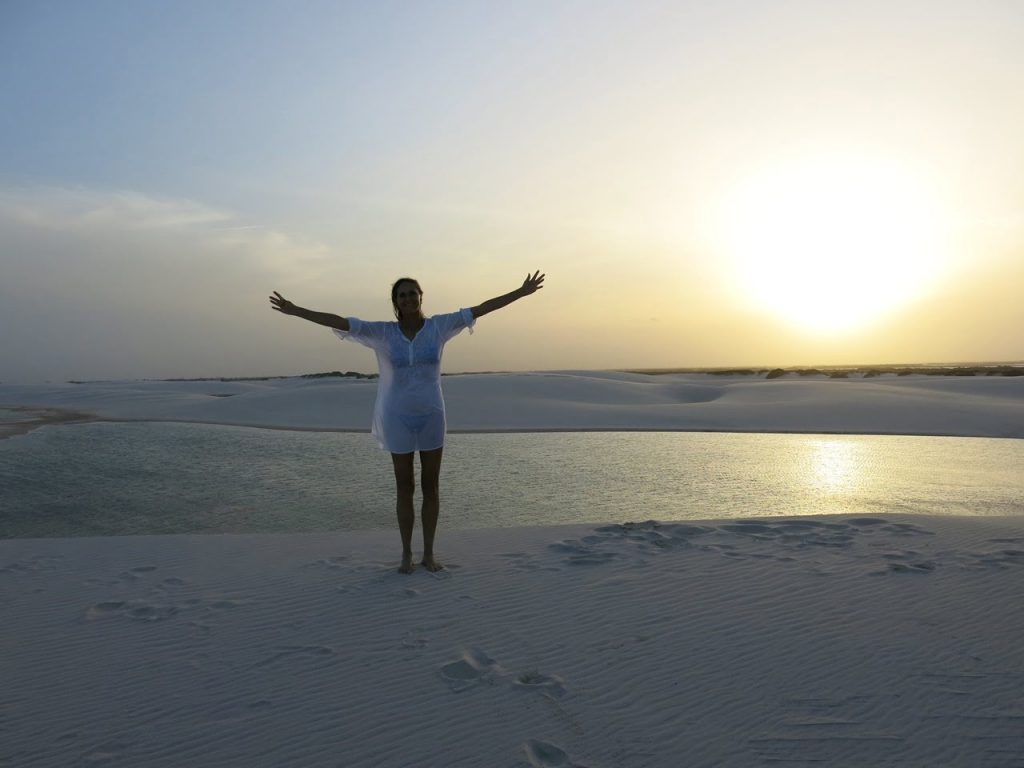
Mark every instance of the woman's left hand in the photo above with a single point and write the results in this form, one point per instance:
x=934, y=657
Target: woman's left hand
x=532, y=283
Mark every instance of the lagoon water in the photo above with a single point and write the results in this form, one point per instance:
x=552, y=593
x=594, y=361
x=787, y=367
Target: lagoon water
x=144, y=478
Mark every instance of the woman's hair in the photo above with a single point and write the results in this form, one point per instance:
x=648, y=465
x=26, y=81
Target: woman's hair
x=394, y=292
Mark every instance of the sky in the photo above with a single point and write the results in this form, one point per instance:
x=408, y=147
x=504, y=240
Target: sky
x=735, y=183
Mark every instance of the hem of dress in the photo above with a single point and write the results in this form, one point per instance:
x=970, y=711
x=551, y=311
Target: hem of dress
x=403, y=453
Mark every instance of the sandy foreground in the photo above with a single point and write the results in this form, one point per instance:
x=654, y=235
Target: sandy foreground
x=831, y=640
x=806, y=641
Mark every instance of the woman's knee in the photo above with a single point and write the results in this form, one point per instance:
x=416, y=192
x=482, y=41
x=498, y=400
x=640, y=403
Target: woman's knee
x=430, y=463
x=406, y=486
x=405, y=476
x=431, y=486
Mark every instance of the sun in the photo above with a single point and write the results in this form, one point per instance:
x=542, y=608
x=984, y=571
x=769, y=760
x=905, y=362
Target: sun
x=833, y=245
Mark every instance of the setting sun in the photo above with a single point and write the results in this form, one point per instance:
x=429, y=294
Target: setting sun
x=833, y=245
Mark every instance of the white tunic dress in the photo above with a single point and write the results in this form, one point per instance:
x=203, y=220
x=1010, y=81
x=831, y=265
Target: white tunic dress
x=409, y=413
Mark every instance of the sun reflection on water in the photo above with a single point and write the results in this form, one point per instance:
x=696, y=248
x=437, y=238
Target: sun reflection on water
x=835, y=465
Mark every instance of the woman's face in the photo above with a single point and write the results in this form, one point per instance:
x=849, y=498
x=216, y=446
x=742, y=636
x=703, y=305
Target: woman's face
x=408, y=298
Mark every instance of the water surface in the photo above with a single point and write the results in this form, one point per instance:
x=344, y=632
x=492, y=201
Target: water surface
x=133, y=478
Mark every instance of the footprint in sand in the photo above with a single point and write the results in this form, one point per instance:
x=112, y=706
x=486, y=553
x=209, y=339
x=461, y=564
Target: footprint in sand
x=924, y=566
x=542, y=754
x=472, y=668
x=1005, y=557
x=593, y=558
x=136, y=610
x=134, y=574
x=579, y=553
x=475, y=667
x=535, y=681
x=569, y=547
x=651, y=535
x=416, y=639
x=997, y=559
x=905, y=529
x=31, y=564
x=774, y=539
x=151, y=612
x=159, y=604
x=751, y=529
x=865, y=522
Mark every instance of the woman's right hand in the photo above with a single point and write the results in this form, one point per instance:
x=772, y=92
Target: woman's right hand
x=281, y=304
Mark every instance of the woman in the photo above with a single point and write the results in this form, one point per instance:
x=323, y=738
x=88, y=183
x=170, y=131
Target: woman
x=409, y=413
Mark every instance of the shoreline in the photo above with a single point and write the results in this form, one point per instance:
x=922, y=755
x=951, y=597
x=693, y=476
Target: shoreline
x=61, y=417
x=386, y=536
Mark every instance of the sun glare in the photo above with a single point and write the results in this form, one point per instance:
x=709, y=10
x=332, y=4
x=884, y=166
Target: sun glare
x=832, y=246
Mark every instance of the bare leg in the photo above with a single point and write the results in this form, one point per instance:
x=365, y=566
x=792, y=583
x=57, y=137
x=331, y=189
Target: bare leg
x=430, y=465
x=405, y=485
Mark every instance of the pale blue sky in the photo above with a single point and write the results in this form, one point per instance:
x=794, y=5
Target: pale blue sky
x=164, y=165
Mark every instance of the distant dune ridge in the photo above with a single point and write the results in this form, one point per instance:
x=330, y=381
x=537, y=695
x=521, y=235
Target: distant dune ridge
x=824, y=640
x=922, y=404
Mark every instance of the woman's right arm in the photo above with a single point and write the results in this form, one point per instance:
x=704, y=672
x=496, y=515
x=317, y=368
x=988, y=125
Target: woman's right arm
x=285, y=307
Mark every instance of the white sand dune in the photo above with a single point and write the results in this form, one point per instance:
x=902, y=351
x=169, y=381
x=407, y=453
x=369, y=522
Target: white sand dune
x=925, y=405
x=809, y=641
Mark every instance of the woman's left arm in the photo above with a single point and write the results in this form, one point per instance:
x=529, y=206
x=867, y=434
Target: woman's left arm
x=531, y=284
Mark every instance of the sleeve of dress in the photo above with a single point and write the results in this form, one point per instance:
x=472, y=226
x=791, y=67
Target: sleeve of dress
x=369, y=334
x=451, y=325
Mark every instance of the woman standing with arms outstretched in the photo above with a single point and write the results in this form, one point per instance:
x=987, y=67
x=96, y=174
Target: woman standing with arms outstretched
x=409, y=413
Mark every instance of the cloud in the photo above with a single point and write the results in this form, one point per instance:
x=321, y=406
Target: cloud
x=81, y=210
x=120, y=219
x=106, y=284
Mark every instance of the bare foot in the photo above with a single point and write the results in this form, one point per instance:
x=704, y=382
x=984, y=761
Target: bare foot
x=431, y=564
x=407, y=566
